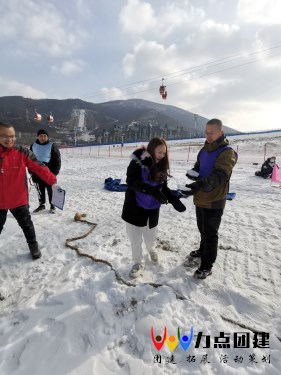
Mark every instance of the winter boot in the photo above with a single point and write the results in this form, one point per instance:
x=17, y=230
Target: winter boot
x=40, y=208
x=136, y=270
x=193, y=258
x=153, y=256
x=34, y=250
x=202, y=274
x=52, y=209
x=195, y=253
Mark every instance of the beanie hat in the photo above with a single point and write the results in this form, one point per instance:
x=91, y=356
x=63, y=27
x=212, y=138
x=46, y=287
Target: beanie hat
x=42, y=131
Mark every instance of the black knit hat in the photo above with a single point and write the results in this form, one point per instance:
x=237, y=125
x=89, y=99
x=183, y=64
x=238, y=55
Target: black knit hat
x=42, y=131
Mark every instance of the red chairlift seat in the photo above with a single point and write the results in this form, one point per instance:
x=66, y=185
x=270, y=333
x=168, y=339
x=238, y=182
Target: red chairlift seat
x=164, y=95
x=50, y=118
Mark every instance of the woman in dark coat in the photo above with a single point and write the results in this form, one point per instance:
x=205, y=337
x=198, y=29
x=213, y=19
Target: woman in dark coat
x=147, y=190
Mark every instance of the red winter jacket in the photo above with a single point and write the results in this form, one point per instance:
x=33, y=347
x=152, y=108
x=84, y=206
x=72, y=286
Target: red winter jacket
x=13, y=179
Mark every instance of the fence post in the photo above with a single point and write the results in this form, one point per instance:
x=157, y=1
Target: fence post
x=264, y=151
x=188, y=153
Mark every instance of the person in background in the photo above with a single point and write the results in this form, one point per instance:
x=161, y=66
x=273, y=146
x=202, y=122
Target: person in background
x=48, y=153
x=211, y=172
x=267, y=168
x=14, y=187
x=147, y=190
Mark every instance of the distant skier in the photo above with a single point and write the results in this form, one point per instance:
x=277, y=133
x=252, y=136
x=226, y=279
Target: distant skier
x=266, y=168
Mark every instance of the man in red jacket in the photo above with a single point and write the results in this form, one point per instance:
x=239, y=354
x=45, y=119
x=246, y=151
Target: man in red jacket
x=14, y=187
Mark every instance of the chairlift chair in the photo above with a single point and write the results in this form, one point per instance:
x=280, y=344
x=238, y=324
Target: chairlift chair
x=50, y=118
x=162, y=88
x=37, y=116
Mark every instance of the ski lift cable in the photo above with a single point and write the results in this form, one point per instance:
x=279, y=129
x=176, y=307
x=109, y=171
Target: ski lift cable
x=190, y=78
x=179, y=73
x=183, y=72
x=229, y=68
x=202, y=67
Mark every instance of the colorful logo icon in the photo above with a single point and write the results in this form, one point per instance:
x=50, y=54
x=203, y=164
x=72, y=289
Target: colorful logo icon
x=172, y=341
x=185, y=341
x=158, y=341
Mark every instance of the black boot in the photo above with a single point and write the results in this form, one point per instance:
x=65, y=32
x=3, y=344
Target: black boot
x=196, y=253
x=193, y=258
x=34, y=250
x=40, y=208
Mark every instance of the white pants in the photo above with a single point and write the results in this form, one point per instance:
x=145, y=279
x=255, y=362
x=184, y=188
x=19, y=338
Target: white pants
x=136, y=236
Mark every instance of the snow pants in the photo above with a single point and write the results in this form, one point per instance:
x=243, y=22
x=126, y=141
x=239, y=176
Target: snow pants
x=136, y=236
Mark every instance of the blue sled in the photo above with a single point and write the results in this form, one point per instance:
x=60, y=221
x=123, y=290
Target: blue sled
x=180, y=194
x=230, y=196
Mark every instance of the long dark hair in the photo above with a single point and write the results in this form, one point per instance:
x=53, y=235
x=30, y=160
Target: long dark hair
x=159, y=171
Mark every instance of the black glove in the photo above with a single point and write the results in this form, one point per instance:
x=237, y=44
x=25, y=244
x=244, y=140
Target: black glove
x=177, y=204
x=157, y=194
x=186, y=192
x=192, y=174
x=195, y=186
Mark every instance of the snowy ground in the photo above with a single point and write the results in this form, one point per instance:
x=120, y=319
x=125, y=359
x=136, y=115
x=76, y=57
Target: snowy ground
x=65, y=314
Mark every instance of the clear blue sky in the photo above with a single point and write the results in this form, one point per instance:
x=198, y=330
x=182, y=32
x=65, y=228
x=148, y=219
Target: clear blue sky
x=219, y=58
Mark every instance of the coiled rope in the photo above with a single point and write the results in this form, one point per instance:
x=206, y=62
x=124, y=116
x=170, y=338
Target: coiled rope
x=81, y=217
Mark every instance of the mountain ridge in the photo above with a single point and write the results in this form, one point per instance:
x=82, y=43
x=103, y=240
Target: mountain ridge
x=101, y=118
